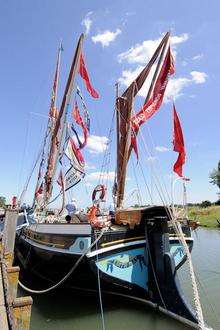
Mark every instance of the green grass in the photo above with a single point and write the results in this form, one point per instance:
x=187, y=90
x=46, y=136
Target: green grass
x=206, y=216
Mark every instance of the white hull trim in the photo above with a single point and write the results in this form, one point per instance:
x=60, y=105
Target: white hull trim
x=114, y=247
x=188, y=239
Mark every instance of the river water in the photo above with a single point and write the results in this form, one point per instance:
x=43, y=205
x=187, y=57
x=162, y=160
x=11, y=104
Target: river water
x=66, y=310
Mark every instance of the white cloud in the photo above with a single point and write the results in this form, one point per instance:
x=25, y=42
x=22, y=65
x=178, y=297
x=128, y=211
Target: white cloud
x=90, y=167
x=130, y=13
x=198, y=77
x=95, y=176
x=87, y=22
x=129, y=75
x=162, y=149
x=106, y=37
x=175, y=40
x=175, y=87
x=97, y=144
x=184, y=63
x=151, y=159
x=198, y=57
x=141, y=53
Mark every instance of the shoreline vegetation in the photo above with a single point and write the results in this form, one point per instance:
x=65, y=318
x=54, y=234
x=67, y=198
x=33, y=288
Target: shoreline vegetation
x=207, y=216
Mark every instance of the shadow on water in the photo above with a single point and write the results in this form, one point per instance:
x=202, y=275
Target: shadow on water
x=68, y=309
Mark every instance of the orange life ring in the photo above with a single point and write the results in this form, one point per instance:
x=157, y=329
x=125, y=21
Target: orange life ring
x=101, y=190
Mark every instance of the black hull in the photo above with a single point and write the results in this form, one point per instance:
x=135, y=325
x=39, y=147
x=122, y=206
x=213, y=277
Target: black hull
x=141, y=263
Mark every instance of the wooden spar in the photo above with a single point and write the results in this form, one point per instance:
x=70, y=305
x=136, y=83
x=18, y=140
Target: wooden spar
x=117, y=122
x=156, y=72
x=61, y=123
x=51, y=121
x=123, y=146
x=122, y=170
x=157, y=68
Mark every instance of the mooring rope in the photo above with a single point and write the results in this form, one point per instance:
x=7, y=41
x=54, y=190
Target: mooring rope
x=68, y=274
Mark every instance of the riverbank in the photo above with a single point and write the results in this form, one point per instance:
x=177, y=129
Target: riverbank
x=207, y=216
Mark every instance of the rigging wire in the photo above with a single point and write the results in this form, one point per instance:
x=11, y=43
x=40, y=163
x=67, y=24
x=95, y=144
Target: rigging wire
x=104, y=176
x=177, y=227
x=157, y=163
x=30, y=176
x=136, y=180
x=24, y=152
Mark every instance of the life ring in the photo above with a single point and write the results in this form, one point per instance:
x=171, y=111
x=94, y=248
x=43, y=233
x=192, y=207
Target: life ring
x=100, y=189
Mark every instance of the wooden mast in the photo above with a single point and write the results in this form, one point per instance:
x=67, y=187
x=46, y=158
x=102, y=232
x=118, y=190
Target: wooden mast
x=57, y=137
x=121, y=172
x=123, y=144
x=51, y=118
x=117, y=121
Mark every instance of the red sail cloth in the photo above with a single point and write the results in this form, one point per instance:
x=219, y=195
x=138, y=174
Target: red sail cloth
x=85, y=76
x=80, y=122
x=154, y=103
x=178, y=144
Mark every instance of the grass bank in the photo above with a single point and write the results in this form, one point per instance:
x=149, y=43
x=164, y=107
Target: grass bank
x=206, y=216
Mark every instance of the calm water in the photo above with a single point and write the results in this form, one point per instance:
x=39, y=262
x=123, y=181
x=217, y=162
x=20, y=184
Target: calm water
x=66, y=310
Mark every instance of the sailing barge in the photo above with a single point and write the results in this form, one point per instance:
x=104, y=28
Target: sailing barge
x=140, y=251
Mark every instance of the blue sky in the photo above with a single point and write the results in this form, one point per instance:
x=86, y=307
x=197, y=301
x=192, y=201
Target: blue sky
x=120, y=37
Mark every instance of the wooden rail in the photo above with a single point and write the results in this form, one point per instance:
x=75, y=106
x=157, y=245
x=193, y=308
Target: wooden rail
x=15, y=312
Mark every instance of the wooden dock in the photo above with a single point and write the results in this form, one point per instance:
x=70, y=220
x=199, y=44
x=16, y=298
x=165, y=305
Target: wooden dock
x=14, y=312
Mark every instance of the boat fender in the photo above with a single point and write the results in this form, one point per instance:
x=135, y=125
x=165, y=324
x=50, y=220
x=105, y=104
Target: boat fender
x=99, y=190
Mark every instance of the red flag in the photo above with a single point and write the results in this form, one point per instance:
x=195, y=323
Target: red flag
x=39, y=190
x=60, y=180
x=85, y=76
x=80, y=122
x=134, y=143
x=178, y=144
x=76, y=151
x=154, y=103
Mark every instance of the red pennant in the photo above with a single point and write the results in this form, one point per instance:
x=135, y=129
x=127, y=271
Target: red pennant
x=178, y=144
x=85, y=76
x=60, y=180
x=134, y=143
x=39, y=190
x=76, y=151
x=80, y=122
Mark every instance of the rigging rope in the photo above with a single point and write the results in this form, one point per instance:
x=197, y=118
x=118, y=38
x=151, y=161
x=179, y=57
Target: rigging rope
x=138, y=188
x=30, y=176
x=178, y=229
x=99, y=289
x=68, y=274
